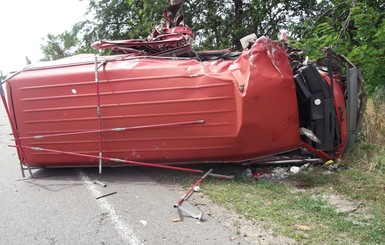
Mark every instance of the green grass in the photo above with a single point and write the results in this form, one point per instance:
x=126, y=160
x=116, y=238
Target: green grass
x=280, y=208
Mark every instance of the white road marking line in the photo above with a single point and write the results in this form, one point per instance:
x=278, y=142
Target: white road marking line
x=125, y=231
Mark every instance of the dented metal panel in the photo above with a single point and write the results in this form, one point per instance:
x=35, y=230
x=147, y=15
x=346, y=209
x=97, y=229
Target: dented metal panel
x=174, y=110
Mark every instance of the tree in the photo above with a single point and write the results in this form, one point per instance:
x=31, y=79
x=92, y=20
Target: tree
x=120, y=19
x=216, y=23
x=220, y=24
x=62, y=45
x=354, y=28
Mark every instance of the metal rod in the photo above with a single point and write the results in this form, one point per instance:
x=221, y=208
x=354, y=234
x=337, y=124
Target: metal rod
x=221, y=176
x=99, y=113
x=30, y=172
x=323, y=155
x=114, y=129
x=15, y=74
x=106, y=195
x=183, y=198
x=12, y=76
x=14, y=132
x=156, y=165
x=22, y=169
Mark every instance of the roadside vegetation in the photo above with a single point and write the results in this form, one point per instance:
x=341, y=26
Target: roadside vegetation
x=343, y=203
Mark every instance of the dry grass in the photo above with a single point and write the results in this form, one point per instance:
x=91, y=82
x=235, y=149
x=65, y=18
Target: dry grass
x=369, y=152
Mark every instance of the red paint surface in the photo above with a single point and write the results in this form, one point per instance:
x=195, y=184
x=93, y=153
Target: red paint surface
x=339, y=105
x=61, y=97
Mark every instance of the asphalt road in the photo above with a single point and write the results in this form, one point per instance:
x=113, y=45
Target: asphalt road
x=60, y=206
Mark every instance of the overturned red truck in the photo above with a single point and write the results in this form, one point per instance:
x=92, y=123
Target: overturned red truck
x=156, y=101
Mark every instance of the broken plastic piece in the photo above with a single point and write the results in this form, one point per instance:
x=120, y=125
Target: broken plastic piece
x=328, y=162
x=294, y=169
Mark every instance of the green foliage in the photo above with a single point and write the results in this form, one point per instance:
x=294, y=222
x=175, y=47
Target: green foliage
x=61, y=45
x=220, y=24
x=355, y=29
x=120, y=19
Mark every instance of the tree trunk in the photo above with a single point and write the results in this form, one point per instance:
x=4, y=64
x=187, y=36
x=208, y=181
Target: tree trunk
x=238, y=4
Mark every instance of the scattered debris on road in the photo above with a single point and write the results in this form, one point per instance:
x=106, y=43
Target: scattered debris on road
x=100, y=183
x=143, y=222
x=106, y=195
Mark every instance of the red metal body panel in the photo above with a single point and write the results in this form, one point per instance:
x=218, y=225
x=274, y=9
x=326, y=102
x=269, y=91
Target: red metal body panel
x=341, y=112
x=180, y=110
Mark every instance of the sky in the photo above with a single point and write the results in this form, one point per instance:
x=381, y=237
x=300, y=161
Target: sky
x=23, y=24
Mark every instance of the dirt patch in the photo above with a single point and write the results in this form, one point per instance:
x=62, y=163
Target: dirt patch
x=341, y=204
x=251, y=230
